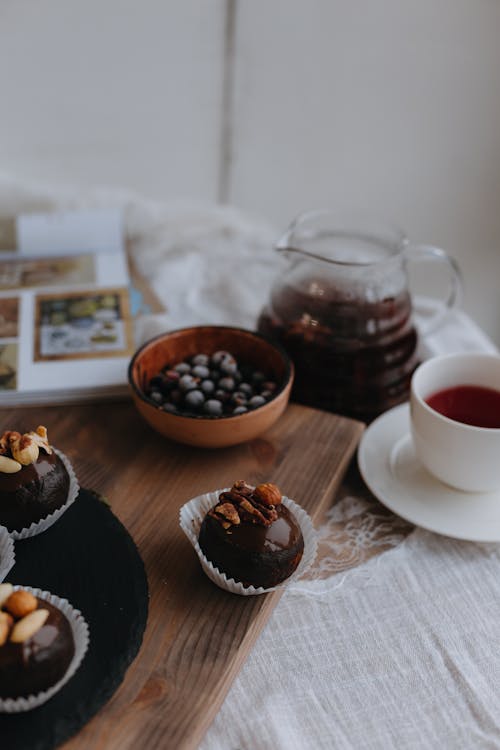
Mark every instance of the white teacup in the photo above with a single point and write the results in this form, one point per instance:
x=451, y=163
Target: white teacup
x=464, y=456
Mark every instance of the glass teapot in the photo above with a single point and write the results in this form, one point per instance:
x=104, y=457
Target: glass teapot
x=343, y=312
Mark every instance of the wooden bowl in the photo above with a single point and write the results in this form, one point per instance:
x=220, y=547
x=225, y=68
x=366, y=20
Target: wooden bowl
x=210, y=432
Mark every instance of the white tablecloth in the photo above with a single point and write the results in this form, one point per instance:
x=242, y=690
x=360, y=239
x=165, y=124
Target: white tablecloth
x=400, y=652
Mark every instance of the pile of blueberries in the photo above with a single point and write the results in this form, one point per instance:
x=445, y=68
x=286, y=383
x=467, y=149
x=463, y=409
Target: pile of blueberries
x=210, y=386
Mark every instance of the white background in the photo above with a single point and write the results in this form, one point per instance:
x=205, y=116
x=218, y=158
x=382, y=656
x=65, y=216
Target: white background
x=389, y=108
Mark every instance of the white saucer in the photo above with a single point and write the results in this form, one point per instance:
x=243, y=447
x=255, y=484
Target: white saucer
x=391, y=470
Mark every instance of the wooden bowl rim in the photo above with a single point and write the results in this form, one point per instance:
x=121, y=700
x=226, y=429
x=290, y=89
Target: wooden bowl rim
x=289, y=371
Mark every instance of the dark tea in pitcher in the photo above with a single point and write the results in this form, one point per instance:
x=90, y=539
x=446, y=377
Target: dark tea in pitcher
x=342, y=310
x=351, y=359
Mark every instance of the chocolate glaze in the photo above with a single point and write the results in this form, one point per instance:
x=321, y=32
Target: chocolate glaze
x=33, y=492
x=252, y=554
x=38, y=663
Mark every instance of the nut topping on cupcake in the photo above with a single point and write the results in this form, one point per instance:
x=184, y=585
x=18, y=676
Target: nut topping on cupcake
x=29, y=626
x=9, y=466
x=19, y=617
x=268, y=494
x=20, y=603
x=245, y=503
x=18, y=450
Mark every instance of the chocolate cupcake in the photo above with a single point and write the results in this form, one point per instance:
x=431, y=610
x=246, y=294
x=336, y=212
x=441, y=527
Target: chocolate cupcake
x=251, y=536
x=36, y=643
x=36, y=482
x=43, y=640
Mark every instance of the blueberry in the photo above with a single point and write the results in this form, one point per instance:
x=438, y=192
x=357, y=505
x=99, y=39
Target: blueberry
x=217, y=358
x=187, y=383
x=238, y=398
x=222, y=396
x=200, y=359
x=229, y=366
x=267, y=395
x=161, y=383
x=212, y=407
x=246, y=388
x=172, y=375
x=156, y=381
x=227, y=384
x=194, y=399
x=170, y=408
x=156, y=397
x=200, y=371
x=269, y=385
x=175, y=396
x=256, y=401
x=182, y=368
x=214, y=375
x=207, y=386
x=240, y=410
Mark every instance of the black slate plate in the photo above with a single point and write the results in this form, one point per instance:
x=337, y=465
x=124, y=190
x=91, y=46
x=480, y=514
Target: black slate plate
x=89, y=558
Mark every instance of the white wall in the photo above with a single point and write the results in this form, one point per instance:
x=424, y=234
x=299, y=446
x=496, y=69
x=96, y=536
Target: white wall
x=114, y=92
x=389, y=107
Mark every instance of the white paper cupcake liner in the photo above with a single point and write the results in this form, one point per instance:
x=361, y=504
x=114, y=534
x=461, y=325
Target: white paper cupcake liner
x=191, y=516
x=81, y=637
x=38, y=527
x=7, y=557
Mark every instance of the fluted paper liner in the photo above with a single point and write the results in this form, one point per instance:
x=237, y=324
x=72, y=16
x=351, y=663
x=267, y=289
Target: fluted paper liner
x=45, y=523
x=7, y=557
x=80, y=631
x=190, y=519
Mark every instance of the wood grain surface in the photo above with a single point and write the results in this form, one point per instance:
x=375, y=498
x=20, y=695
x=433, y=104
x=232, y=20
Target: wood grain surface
x=197, y=636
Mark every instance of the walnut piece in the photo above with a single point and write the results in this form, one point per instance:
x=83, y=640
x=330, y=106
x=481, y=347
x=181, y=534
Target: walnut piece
x=228, y=512
x=268, y=494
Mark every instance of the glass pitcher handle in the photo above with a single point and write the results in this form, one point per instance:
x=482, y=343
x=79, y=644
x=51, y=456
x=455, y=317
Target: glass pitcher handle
x=426, y=253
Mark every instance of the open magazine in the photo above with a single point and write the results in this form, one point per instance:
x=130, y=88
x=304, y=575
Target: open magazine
x=66, y=308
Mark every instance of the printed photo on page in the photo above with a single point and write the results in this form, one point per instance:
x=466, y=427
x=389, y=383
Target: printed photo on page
x=26, y=273
x=84, y=324
x=9, y=317
x=8, y=365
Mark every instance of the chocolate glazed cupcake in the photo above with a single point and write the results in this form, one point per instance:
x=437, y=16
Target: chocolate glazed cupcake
x=36, y=643
x=33, y=480
x=251, y=536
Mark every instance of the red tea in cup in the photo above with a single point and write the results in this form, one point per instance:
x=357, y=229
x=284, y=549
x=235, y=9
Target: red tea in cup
x=455, y=419
x=469, y=404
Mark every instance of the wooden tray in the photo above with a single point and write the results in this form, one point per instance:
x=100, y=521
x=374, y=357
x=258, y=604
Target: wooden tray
x=197, y=636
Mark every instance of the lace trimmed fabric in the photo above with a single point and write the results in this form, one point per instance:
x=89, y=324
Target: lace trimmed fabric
x=355, y=529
